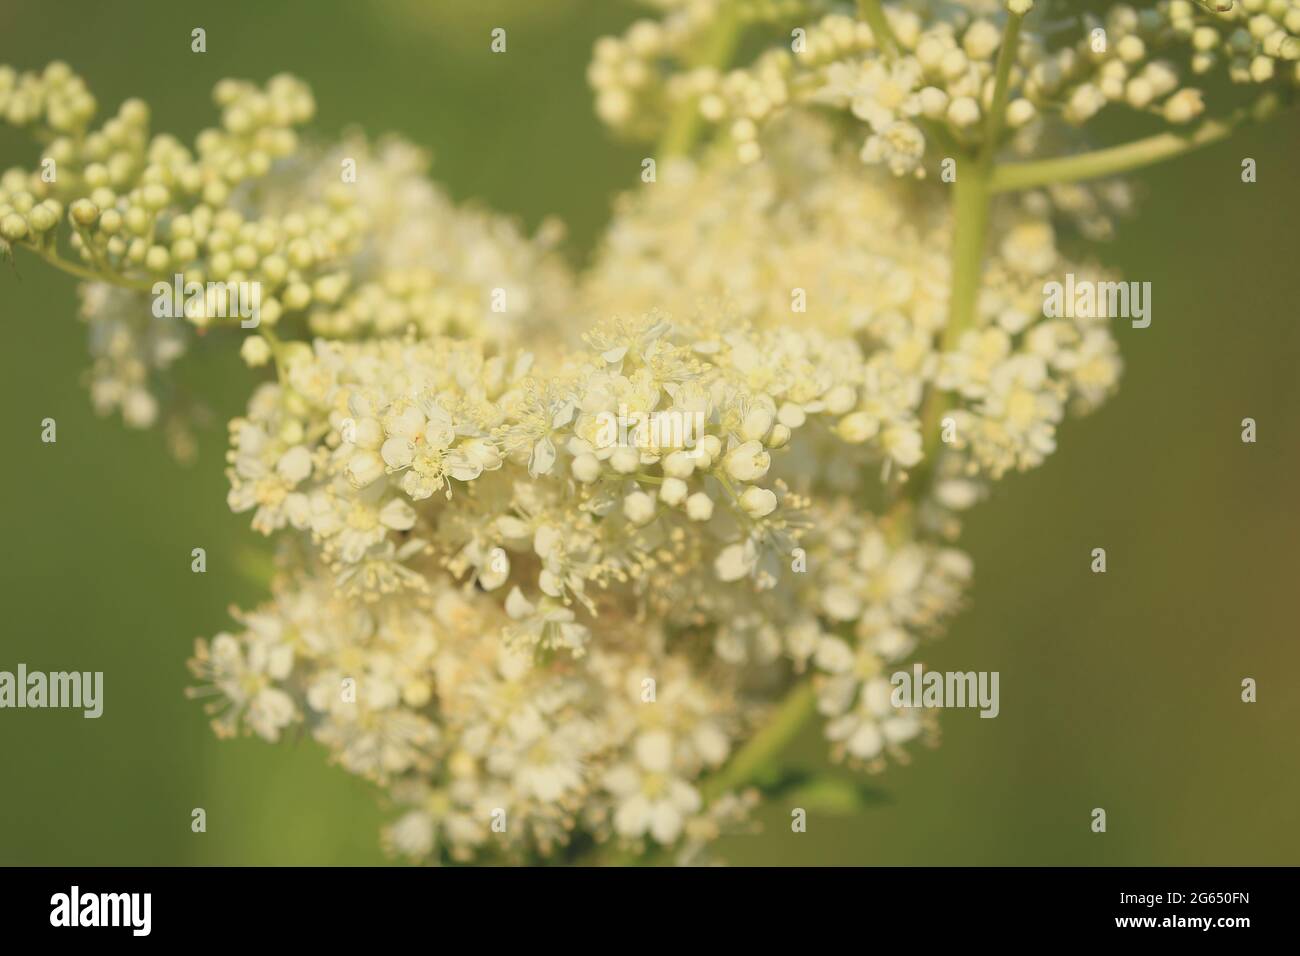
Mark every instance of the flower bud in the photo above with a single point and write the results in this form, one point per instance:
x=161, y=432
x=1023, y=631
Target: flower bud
x=699, y=507
x=673, y=491
x=758, y=502
x=639, y=508
x=84, y=213
x=586, y=468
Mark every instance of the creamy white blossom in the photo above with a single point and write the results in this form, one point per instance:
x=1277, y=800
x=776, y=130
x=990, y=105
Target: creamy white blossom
x=504, y=591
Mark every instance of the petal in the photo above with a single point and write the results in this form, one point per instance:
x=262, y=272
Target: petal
x=294, y=465
x=543, y=458
x=518, y=606
x=665, y=822
x=633, y=816
x=398, y=515
x=397, y=452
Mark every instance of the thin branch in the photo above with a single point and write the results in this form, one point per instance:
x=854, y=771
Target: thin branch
x=719, y=46
x=874, y=13
x=1001, y=86
x=52, y=257
x=1110, y=161
x=750, y=760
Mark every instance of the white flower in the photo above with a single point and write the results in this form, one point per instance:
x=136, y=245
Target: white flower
x=748, y=461
x=651, y=799
x=758, y=502
x=473, y=457
x=246, y=677
x=874, y=92
x=899, y=146
x=735, y=561
x=364, y=468
x=413, y=834
x=874, y=723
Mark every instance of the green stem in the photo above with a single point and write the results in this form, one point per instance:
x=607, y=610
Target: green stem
x=277, y=353
x=795, y=710
x=874, y=13
x=745, y=766
x=1108, y=162
x=971, y=197
x=718, y=48
x=971, y=200
x=52, y=257
x=1001, y=87
x=84, y=234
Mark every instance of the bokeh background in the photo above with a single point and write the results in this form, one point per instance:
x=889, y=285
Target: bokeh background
x=1119, y=691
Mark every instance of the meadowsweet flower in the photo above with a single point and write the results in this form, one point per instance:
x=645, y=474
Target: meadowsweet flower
x=132, y=352
x=508, y=595
x=943, y=69
x=650, y=798
x=816, y=205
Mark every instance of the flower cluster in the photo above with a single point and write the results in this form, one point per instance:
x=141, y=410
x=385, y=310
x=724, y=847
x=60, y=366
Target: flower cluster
x=925, y=73
x=353, y=238
x=422, y=263
x=676, y=477
x=519, y=595
x=490, y=752
x=606, y=470
x=809, y=236
x=545, y=593
x=634, y=90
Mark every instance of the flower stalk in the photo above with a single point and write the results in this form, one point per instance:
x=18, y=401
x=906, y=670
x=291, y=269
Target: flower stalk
x=1001, y=87
x=1097, y=163
x=798, y=706
x=874, y=13
x=717, y=50
x=52, y=257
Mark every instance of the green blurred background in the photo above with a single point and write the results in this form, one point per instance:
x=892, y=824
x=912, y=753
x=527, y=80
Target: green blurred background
x=1119, y=691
